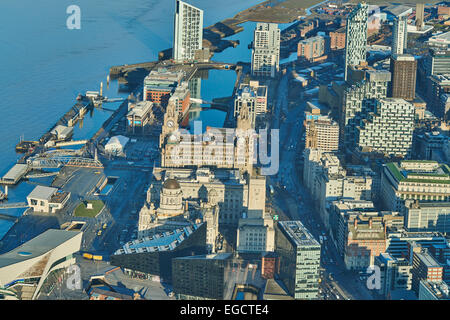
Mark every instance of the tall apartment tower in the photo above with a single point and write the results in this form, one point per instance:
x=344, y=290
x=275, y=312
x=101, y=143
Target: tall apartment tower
x=188, y=31
x=404, y=74
x=420, y=15
x=356, y=37
x=266, y=50
x=400, y=34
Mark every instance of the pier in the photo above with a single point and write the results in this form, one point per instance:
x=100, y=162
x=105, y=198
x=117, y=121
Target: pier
x=70, y=143
x=16, y=205
x=8, y=217
x=17, y=172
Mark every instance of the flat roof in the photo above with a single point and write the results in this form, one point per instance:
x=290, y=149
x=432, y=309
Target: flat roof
x=17, y=171
x=42, y=192
x=442, y=37
x=399, y=10
x=298, y=233
x=37, y=246
x=140, y=108
x=427, y=259
x=440, y=175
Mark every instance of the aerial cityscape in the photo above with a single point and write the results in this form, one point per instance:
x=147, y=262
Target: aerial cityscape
x=240, y=150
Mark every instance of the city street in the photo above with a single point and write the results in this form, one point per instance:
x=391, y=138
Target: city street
x=291, y=196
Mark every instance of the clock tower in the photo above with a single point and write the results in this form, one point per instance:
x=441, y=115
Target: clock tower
x=170, y=124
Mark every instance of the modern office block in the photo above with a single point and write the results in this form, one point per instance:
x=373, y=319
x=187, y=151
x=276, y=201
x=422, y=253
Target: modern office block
x=299, y=256
x=201, y=277
x=395, y=274
x=424, y=267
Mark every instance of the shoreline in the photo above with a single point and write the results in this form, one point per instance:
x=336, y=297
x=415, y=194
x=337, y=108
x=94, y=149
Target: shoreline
x=217, y=34
x=214, y=34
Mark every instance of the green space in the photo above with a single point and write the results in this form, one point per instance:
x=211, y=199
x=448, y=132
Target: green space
x=83, y=211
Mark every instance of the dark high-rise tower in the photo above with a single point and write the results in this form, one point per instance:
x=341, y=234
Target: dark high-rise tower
x=403, y=70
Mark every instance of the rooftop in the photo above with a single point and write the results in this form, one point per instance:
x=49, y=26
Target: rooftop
x=160, y=242
x=42, y=193
x=443, y=38
x=427, y=259
x=140, y=109
x=16, y=172
x=420, y=171
x=298, y=233
x=399, y=10
x=440, y=290
x=37, y=246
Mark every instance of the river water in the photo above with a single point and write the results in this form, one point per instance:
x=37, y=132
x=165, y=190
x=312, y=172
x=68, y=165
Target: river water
x=44, y=65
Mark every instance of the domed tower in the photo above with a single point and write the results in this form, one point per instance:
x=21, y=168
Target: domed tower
x=171, y=200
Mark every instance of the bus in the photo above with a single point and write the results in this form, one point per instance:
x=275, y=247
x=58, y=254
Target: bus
x=97, y=258
x=87, y=256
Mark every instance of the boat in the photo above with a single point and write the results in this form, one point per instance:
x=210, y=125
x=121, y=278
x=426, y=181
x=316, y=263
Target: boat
x=26, y=146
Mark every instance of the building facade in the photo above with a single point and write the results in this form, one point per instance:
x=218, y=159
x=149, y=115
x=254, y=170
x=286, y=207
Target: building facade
x=254, y=96
x=266, y=50
x=337, y=39
x=404, y=73
x=47, y=199
x=139, y=116
x=25, y=270
x=188, y=36
x=400, y=34
x=395, y=274
x=160, y=84
x=322, y=132
x=313, y=49
x=426, y=181
x=427, y=216
x=358, y=101
x=388, y=130
x=232, y=192
x=201, y=277
x=299, y=256
x=424, y=267
x=356, y=37
x=153, y=255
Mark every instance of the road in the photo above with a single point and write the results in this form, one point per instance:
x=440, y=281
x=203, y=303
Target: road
x=292, y=196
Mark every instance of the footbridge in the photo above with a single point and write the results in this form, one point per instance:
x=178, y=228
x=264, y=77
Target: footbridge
x=60, y=161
